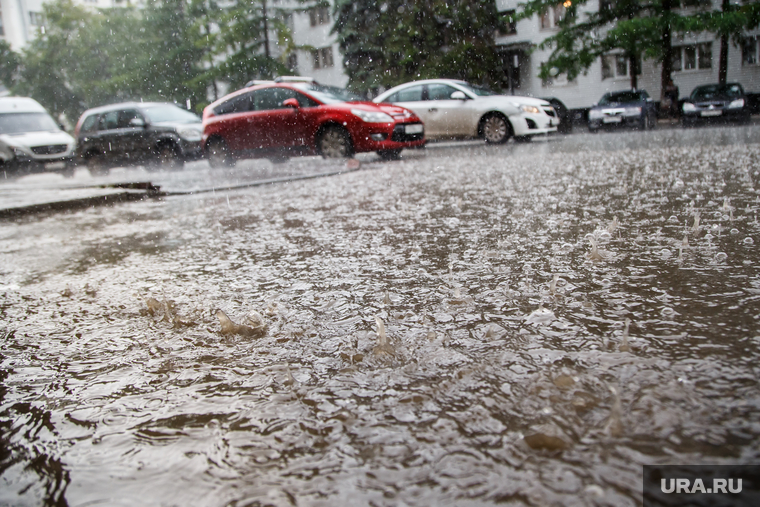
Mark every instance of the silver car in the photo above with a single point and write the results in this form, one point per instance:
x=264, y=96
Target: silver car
x=456, y=109
x=31, y=140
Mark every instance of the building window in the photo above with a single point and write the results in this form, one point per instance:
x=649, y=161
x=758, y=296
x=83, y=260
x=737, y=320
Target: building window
x=323, y=57
x=749, y=50
x=319, y=16
x=35, y=18
x=692, y=57
x=614, y=66
x=552, y=17
x=507, y=23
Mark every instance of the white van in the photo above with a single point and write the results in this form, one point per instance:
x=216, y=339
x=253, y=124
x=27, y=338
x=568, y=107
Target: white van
x=30, y=140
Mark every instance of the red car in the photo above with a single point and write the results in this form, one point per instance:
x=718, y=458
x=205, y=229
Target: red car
x=280, y=120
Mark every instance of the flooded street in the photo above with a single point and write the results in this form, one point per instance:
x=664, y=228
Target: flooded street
x=522, y=325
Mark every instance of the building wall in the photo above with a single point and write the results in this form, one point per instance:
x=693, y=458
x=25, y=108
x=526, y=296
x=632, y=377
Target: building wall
x=587, y=88
x=318, y=37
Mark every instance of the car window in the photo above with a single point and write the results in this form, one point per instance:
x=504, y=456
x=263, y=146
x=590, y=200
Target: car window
x=237, y=104
x=438, y=91
x=272, y=98
x=411, y=94
x=477, y=90
x=109, y=121
x=717, y=91
x=17, y=123
x=126, y=116
x=170, y=113
x=620, y=98
x=89, y=123
x=305, y=101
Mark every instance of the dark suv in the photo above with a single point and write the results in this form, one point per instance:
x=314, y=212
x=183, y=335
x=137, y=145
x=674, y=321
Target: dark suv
x=161, y=135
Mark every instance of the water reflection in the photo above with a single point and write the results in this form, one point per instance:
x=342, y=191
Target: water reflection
x=438, y=332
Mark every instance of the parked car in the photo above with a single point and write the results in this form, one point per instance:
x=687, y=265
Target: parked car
x=716, y=103
x=283, y=119
x=30, y=139
x=456, y=109
x=626, y=108
x=160, y=134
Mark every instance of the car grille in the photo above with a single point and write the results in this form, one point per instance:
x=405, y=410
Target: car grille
x=400, y=136
x=550, y=111
x=49, y=150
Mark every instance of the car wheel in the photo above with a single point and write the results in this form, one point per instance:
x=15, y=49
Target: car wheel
x=495, y=129
x=219, y=154
x=389, y=154
x=167, y=158
x=334, y=142
x=96, y=163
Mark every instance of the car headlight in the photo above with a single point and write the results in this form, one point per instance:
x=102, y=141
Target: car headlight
x=632, y=111
x=372, y=116
x=594, y=114
x=192, y=135
x=688, y=107
x=529, y=109
x=736, y=104
x=19, y=152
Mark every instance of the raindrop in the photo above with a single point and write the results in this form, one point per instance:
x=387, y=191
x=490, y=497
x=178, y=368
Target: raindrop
x=721, y=256
x=749, y=241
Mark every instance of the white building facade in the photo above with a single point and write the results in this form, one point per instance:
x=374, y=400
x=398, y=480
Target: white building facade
x=696, y=61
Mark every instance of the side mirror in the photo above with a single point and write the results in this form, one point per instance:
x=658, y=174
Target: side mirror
x=291, y=103
x=137, y=122
x=458, y=95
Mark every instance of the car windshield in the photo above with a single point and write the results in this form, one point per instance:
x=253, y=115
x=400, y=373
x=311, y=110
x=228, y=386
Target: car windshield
x=329, y=94
x=19, y=123
x=728, y=91
x=620, y=98
x=477, y=90
x=170, y=113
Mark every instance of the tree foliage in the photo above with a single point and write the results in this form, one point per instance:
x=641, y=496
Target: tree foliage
x=637, y=28
x=170, y=50
x=389, y=42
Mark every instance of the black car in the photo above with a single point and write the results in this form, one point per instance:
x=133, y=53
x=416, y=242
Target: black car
x=159, y=134
x=626, y=108
x=716, y=103
x=565, y=119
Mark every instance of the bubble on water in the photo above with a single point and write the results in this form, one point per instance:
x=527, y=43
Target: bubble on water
x=566, y=248
x=665, y=253
x=734, y=231
x=605, y=236
x=668, y=312
x=673, y=218
x=708, y=237
x=749, y=241
x=721, y=256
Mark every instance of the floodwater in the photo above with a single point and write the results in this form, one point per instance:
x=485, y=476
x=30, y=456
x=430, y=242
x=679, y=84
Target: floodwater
x=518, y=325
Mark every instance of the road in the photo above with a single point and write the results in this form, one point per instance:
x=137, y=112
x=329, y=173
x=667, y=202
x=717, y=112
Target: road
x=469, y=325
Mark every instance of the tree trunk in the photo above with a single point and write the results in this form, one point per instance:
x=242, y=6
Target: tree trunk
x=723, y=63
x=667, y=49
x=266, y=28
x=633, y=69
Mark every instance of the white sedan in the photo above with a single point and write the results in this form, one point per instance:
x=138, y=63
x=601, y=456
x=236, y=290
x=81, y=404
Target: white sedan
x=453, y=109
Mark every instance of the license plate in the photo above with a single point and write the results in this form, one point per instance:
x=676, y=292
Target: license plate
x=52, y=166
x=612, y=119
x=711, y=113
x=414, y=129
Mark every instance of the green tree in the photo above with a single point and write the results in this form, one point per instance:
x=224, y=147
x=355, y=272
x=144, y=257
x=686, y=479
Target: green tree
x=10, y=62
x=393, y=41
x=244, y=42
x=639, y=28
